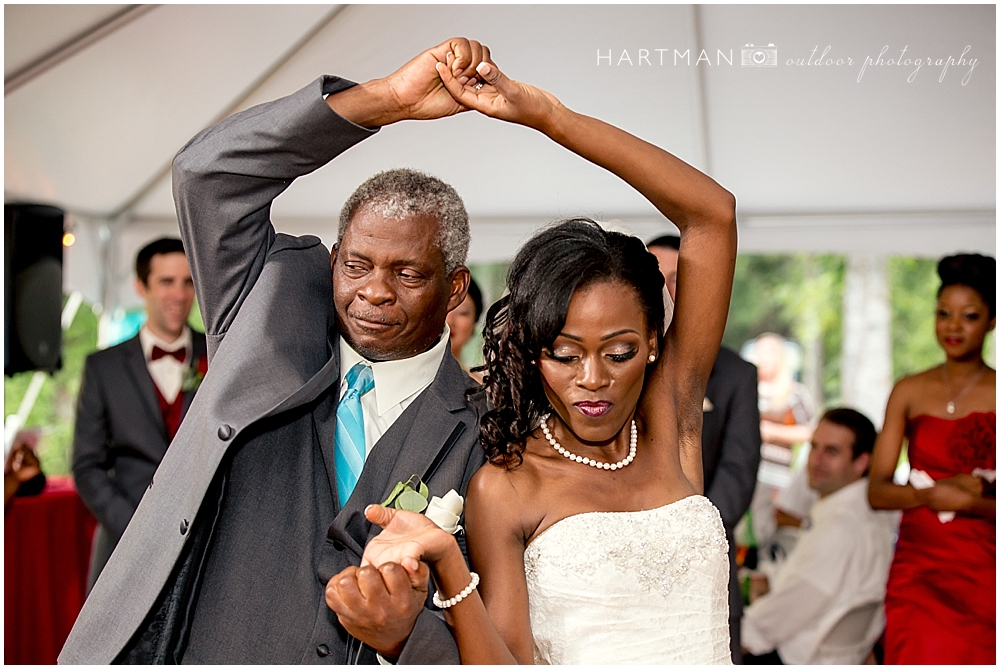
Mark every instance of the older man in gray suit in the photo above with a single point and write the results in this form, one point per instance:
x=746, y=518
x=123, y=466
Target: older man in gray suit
x=258, y=505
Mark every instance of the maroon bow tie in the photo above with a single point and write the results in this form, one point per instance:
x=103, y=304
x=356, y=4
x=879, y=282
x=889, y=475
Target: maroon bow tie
x=180, y=354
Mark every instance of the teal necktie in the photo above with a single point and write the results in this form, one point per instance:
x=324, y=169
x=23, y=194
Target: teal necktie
x=350, y=439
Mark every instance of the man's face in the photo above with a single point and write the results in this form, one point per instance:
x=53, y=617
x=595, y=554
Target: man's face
x=390, y=290
x=668, y=266
x=831, y=463
x=168, y=293
x=462, y=324
x=769, y=357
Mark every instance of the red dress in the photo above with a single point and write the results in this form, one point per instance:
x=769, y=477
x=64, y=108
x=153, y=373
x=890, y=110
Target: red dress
x=940, y=602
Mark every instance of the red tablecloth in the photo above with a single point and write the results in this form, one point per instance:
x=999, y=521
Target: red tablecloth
x=46, y=552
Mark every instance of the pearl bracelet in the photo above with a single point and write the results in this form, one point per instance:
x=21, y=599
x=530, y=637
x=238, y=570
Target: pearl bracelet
x=448, y=603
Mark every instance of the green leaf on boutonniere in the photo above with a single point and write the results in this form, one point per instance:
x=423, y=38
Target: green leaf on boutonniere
x=410, y=495
x=400, y=487
x=410, y=500
x=191, y=379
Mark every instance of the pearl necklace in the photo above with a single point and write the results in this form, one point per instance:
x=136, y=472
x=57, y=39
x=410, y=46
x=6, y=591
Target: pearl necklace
x=633, y=438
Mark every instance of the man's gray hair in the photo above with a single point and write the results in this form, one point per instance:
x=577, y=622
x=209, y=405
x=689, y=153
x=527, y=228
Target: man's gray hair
x=398, y=193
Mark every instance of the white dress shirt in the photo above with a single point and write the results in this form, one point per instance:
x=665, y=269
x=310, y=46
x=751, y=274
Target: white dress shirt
x=397, y=384
x=167, y=372
x=839, y=563
x=798, y=498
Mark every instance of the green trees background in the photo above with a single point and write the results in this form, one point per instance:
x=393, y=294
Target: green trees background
x=799, y=296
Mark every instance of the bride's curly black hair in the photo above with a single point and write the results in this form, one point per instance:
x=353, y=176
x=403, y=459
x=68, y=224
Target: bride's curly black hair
x=546, y=272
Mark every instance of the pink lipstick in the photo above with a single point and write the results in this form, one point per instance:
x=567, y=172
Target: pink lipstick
x=593, y=409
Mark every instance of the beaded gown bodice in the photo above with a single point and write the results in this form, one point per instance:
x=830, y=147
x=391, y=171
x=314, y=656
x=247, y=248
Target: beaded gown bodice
x=647, y=587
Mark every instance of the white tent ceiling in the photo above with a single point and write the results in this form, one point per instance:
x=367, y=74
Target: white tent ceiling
x=820, y=157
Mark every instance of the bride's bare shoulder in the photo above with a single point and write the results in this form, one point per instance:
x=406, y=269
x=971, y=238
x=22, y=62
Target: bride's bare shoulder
x=499, y=482
x=507, y=494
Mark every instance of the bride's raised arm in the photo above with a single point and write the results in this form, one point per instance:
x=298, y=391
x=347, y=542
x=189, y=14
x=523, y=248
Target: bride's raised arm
x=703, y=211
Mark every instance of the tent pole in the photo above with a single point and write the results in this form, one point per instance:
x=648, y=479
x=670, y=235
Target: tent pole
x=72, y=46
x=241, y=99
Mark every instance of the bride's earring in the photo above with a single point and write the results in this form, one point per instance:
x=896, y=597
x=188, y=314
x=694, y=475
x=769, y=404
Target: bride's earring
x=652, y=358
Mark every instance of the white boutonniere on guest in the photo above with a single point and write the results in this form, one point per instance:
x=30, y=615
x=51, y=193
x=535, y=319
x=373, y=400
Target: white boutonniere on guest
x=412, y=495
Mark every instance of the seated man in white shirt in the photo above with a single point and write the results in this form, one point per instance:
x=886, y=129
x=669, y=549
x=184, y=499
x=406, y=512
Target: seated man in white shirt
x=825, y=607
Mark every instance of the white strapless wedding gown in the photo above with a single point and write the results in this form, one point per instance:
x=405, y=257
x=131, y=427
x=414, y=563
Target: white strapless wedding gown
x=645, y=587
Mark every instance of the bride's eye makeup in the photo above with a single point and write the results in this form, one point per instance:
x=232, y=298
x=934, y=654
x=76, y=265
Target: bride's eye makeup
x=624, y=357
x=560, y=355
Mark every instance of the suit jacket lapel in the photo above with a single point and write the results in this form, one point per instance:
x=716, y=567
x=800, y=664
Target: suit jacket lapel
x=199, y=350
x=136, y=365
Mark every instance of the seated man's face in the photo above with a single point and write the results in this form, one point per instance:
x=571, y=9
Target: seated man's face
x=831, y=462
x=390, y=290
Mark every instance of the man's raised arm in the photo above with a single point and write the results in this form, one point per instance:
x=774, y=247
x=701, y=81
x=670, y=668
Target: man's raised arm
x=225, y=179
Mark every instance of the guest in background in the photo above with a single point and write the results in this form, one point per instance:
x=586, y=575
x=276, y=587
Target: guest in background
x=783, y=498
x=786, y=407
x=825, y=607
x=730, y=436
x=462, y=323
x=941, y=596
x=22, y=473
x=133, y=397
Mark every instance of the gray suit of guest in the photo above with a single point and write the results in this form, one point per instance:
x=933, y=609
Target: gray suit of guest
x=730, y=447
x=120, y=438
x=229, y=552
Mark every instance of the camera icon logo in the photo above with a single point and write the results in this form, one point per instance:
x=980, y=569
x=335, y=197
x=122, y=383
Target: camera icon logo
x=760, y=56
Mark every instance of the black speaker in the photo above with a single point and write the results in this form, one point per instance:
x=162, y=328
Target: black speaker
x=33, y=251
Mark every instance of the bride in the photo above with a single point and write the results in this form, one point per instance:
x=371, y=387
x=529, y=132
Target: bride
x=588, y=536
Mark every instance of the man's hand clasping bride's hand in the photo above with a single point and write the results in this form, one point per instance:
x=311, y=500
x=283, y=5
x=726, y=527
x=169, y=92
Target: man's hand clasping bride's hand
x=406, y=538
x=466, y=79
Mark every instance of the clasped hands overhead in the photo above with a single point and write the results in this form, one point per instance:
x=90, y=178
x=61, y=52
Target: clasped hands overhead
x=455, y=76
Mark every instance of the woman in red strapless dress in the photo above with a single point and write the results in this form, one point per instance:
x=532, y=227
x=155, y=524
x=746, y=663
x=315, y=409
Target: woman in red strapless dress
x=940, y=600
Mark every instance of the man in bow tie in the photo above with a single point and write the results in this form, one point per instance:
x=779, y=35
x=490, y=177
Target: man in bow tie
x=133, y=397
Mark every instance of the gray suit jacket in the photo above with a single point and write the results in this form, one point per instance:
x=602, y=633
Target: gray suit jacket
x=730, y=449
x=267, y=304
x=120, y=437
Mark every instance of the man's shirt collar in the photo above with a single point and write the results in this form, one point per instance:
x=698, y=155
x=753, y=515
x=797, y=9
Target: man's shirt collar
x=396, y=380
x=148, y=340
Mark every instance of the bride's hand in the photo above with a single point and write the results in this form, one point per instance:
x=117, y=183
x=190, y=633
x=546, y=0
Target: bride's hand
x=500, y=97
x=406, y=538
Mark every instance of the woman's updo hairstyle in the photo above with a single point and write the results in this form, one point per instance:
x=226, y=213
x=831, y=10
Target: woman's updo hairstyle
x=976, y=271
x=548, y=269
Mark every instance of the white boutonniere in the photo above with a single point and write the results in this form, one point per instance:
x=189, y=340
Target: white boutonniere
x=412, y=495
x=446, y=511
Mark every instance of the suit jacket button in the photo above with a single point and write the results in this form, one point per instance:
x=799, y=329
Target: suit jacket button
x=225, y=432
x=184, y=526
x=338, y=545
x=322, y=650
